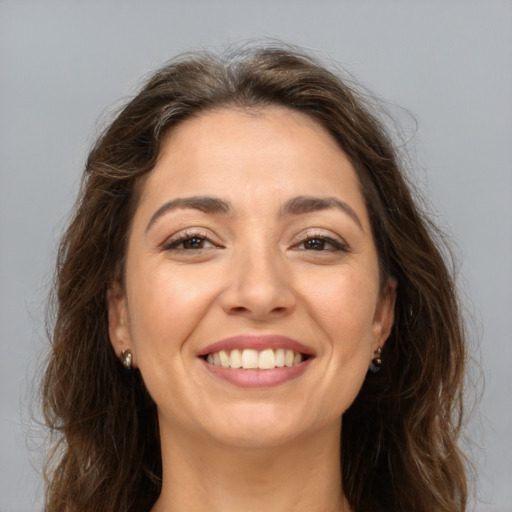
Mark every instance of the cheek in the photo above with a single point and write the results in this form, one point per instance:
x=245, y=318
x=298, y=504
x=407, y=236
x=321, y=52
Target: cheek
x=345, y=306
x=350, y=324
x=168, y=307
x=345, y=312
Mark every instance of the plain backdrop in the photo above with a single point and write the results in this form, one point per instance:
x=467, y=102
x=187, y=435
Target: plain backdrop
x=65, y=64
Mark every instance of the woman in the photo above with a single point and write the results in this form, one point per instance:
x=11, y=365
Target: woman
x=251, y=311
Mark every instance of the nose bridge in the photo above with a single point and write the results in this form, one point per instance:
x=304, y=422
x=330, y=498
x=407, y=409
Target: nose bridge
x=259, y=284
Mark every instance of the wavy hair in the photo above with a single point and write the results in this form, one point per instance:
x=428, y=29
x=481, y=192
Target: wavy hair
x=399, y=439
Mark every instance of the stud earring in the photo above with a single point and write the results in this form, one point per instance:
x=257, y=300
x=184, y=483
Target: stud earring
x=376, y=362
x=126, y=359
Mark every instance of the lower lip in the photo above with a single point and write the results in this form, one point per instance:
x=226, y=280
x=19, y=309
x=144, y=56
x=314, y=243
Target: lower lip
x=258, y=378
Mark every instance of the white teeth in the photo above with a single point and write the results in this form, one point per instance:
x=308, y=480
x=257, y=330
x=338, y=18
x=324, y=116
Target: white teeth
x=224, y=359
x=288, y=358
x=251, y=359
x=236, y=359
x=266, y=359
x=280, y=357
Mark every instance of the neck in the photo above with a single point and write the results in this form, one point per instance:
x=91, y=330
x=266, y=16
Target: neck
x=303, y=474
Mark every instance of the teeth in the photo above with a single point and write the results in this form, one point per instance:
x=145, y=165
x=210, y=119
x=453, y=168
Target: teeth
x=224, y=359
x=251, y=359
x=236, y=359
x=288, y=358
x=266, y=359
x=280, y=357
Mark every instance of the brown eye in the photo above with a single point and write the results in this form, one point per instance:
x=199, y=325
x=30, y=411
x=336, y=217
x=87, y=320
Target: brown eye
x=193, y=243
x=188, y=242
x=315, y=244
x=321, y=243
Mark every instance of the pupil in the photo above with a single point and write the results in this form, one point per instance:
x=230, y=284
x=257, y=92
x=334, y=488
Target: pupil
x=192, y=243
x=315, y=244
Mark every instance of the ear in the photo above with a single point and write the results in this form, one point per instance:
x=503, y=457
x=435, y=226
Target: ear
x=384, y=314
x=118, y=319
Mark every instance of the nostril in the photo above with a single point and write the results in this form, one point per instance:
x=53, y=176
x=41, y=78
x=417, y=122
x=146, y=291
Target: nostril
x=238, y=309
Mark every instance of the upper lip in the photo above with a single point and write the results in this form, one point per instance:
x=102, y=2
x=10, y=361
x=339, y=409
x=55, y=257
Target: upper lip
x=256, y=342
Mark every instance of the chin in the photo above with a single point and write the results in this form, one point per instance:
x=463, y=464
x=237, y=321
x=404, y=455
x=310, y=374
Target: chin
x=255, y=437
x=259, y=427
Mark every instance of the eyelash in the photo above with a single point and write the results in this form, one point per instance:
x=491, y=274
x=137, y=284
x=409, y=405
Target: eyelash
x=182, y=238
x=336, y=244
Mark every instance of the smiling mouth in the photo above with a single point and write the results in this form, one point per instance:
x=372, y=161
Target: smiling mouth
x=251, y=359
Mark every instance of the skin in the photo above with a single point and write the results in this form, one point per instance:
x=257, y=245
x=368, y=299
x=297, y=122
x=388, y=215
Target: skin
x=256, y=272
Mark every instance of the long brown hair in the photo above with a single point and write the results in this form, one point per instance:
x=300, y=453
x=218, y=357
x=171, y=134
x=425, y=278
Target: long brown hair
x=399, y=437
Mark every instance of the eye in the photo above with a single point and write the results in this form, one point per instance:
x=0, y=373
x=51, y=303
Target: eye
x=319, y=242
x=188, y=241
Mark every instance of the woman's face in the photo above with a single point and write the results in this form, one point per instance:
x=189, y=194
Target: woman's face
x=251, y=245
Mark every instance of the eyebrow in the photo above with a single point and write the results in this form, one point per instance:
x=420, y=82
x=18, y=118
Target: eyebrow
x=204, y=204
x=308, y=204
x=299, y=205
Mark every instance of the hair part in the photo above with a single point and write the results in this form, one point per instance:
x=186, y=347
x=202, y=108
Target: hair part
x=399, y=437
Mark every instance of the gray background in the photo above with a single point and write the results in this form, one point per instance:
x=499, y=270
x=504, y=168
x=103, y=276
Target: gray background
x=64, y=64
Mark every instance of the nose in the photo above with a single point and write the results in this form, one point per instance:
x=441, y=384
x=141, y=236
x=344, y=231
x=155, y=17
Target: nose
x=259, y=288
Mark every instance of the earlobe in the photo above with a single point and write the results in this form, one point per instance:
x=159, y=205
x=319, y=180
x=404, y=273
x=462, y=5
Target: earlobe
x=384, y=314
x=118, y=321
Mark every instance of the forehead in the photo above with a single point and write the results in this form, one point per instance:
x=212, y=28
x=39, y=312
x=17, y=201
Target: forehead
x=252, y=156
